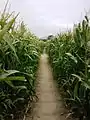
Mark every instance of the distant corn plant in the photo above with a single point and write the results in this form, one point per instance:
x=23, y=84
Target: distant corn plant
x=70, y=57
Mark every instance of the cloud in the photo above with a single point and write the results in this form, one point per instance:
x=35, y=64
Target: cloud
x=44, y=17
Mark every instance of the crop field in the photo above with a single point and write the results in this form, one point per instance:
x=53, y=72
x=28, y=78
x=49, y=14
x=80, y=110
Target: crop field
x=70, y=58
x=19, y=54
x=20, y=50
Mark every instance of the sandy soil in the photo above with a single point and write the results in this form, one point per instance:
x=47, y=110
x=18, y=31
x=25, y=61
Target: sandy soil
x=50, y=105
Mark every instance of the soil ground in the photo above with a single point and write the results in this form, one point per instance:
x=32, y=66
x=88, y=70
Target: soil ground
x=49, y=105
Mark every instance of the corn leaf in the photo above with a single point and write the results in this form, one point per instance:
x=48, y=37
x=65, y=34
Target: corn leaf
x=72, y=57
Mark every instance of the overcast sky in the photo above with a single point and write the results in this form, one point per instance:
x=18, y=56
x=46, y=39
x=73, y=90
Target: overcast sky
x=45, y=17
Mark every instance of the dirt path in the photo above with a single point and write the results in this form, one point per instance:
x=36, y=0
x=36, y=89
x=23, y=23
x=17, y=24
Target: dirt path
x=49, y=105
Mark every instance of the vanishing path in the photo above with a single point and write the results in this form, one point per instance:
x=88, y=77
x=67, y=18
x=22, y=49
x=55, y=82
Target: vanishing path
x=49, y=105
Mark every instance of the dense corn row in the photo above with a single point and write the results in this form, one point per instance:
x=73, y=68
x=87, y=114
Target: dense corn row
x=70, y=57
x=19, y=54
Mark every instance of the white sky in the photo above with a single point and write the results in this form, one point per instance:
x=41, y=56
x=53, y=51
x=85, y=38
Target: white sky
x=45, y=17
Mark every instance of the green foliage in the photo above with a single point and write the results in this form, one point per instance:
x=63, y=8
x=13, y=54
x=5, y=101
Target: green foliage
x=19, y=54
x=70, y=57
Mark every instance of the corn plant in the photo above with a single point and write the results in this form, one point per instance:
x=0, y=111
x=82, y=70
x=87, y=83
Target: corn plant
x=19, y=54
x=70, y=57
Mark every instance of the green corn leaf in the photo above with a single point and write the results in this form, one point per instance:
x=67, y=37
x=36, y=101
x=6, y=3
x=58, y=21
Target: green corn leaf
x=20, y=78
x=7, y=39
x=18, y=99
x=9, y=103
x=7, y=27
x=35, y=53
x=86, y=84
x=8, y=73
x=10, y=83
x=76, y=90
x=72, y=57
x=29, y=56
x=5, y=105
x=20, y=88
x=77, y=76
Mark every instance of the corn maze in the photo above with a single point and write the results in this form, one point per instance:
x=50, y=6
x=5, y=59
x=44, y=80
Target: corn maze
x=20, y=50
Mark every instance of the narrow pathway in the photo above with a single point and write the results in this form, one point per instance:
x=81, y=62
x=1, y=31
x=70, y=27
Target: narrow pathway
x=49, y=105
